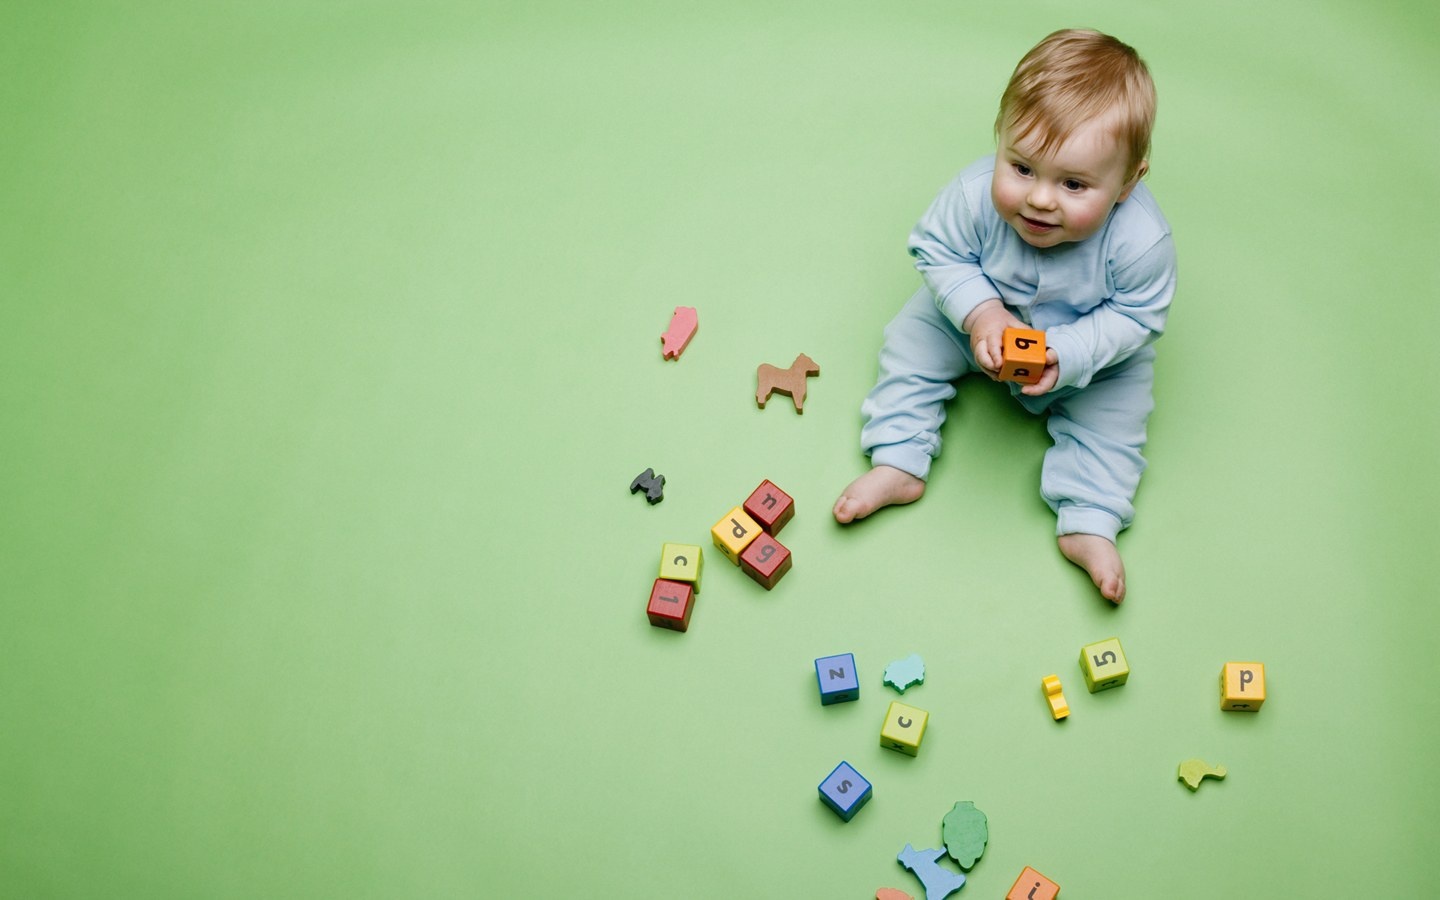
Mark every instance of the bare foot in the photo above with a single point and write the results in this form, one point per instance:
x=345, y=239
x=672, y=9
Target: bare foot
x=1099, y=557
x=881, y=486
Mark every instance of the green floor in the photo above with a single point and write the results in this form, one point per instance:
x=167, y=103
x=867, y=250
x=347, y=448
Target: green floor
x=330, y=345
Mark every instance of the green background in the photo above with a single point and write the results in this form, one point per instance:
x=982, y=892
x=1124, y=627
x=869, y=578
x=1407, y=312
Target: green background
x=330, y=346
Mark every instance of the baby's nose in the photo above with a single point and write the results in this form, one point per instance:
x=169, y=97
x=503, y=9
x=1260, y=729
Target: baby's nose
x=1042, y=197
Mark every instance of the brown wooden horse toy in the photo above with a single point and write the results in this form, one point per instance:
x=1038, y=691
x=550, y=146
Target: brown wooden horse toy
x=789, y=381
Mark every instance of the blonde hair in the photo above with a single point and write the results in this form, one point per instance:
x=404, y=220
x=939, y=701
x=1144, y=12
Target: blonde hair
x=1076, y=75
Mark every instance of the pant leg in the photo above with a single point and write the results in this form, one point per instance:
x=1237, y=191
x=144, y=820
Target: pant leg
x=922, y=356
x=1090, y=475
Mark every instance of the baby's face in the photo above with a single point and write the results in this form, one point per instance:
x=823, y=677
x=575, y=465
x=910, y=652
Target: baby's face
x=1065, y=195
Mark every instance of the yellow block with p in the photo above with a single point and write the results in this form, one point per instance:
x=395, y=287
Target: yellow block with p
x=904, y=728
x=1242, y=686
x=734, y=533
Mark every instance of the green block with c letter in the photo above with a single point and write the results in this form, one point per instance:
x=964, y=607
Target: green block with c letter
x=1103, y=664
x=904, y=728
x=681, y=562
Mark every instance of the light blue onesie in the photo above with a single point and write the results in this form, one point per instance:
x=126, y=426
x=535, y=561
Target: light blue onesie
x=1101, y=303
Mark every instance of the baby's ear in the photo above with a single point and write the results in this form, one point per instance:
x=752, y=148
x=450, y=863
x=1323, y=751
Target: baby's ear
x=1140, y=171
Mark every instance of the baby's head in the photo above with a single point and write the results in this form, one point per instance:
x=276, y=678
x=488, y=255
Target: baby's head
x=1073, y=135
x=1078, y=76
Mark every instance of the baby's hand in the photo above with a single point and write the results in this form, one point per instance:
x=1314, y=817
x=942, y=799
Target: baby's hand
x=986, y=325
x=1046, y=384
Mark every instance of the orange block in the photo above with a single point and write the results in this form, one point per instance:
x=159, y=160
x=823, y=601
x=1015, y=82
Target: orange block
x=1022, y=355
x=1031, y=885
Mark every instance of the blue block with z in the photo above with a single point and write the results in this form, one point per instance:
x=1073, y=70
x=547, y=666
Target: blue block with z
x=837, y=678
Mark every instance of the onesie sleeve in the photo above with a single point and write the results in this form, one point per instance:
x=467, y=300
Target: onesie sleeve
x=1132, y=317
x=946, y=246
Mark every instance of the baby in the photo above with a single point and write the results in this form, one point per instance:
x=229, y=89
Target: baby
x=1054, y=232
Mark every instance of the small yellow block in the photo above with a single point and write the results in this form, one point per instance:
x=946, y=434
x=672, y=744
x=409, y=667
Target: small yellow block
x=1242, y=686
x=1058, y=707
x=1103, y=664
x=682, y=562
x=734, y=533
x=904, y=728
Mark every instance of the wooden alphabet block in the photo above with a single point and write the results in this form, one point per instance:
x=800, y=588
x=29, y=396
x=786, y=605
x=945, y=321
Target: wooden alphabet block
x=1242, y=686
x=682, y=562
x=770, y=507
x=904, y=728
x=1031, y=885
x=837, y=678
x=671, y=603
x=766, y=560
x=1022, y=355
x=733, y=533
x=845, y=791
x=1103, y=664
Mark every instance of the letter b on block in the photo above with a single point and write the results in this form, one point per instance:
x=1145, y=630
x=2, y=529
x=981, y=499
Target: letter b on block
x=1022, y=355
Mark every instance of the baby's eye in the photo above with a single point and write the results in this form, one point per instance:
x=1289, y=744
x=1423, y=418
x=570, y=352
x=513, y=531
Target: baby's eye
x=1074, y=186
x=1022, y=169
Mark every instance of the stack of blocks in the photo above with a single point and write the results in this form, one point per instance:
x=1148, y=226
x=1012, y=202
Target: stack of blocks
x=747, y=538
x=672, y=599
x=746, y=535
